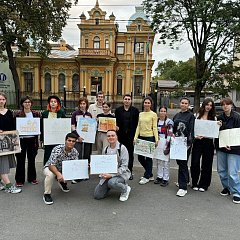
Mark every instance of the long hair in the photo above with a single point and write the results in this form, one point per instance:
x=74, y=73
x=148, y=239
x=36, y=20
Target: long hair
x=212, y=112
x=150, y=99
x=23, y=114
x=83, y=99
x=5, y=96
x=164, y=124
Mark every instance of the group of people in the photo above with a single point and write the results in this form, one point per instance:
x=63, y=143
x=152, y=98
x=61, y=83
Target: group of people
x=130, y=125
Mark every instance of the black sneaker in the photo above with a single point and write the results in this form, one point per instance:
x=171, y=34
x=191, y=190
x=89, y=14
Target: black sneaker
x=47, y=199
x=236, y=199
x=164, y=183
x=225, y=192
x=63, y=186
x=158, y=180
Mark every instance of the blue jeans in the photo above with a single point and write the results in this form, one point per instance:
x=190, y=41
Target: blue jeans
x=146, y=162
x=228, y=167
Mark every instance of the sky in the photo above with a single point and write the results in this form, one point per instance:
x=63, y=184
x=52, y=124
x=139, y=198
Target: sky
x=122, y=10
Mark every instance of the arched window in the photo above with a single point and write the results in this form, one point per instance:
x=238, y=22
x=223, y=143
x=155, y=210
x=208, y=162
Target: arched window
x=28, y=82
x=61, y=82
x=48, y=82
x=75, y=82
x=107, y=44
x=119, y=85
x=96, y=43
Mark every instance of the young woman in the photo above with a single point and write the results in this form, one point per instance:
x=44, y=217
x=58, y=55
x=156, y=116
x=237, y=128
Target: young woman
x=228, y=157
x=203, y=147
x=101, y=138
x=147, y=130
x=7, y=161
x=86, y=148
x=53, y=111
x=29, y=146
x=184, y=127
x=165, y=131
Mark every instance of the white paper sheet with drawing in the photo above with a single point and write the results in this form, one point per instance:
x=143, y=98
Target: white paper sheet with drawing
x=178, y=148
x=55, y=130
x=229, y=137
x=75, y=169
x=104, y=164
x=28, y=126
x=206, y=128
x=158, y=153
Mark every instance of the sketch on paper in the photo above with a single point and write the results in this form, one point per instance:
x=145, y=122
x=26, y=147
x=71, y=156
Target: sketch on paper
x=158, y=153
x=55, y=130
x=9, y=143
x=229, y=137
x=86, y=128
x=106, y=124
x=104, y=164
x=28, y=126
x=206, y=128
x=144, y=148
x=178, y=148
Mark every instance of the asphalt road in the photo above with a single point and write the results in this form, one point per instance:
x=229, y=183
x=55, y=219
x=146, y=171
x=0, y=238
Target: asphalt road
x=151, y=212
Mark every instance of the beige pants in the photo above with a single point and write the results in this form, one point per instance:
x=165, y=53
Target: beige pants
x=102, y=142
x=48, y=182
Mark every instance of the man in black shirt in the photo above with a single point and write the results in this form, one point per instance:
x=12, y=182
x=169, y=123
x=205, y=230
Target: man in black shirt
x=127, y=121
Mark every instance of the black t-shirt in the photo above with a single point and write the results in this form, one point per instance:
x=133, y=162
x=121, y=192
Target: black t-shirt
x=126, y=120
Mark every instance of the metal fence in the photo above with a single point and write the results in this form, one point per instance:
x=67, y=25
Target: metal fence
x=70, y=99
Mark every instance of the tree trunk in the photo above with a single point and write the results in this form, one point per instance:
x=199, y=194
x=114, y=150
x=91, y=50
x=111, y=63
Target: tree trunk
x=13, y=68
x=197, y=95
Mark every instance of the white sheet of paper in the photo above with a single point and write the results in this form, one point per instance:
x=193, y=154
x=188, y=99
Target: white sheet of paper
x=178, y=148
x=158, y=153
x=75, y=169
x=86, y=128
x=229, y=137
x=28, y=126
x=206, y=128
x=144, y=148
x=104, y=164
x=55, y=130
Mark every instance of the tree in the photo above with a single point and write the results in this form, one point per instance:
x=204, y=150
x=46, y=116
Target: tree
x=211, y=28
x=23, y=20
x=163, y=67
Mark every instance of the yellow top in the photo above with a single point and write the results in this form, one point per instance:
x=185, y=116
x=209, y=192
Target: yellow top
x=52, y=115
x=147, y=125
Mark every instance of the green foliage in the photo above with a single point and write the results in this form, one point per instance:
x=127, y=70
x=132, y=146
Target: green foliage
x=211, y=28
x=41, y=21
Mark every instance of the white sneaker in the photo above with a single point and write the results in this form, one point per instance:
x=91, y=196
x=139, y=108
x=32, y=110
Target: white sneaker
x=144, y=181
x=196, y=188
x=124, y=196
x=181, y=192
x=2, y=186
x=151, y=178
x=13, y=189
x=202, y=189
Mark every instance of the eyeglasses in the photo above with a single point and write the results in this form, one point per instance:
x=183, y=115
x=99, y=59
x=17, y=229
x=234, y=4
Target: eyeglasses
x=27, y=102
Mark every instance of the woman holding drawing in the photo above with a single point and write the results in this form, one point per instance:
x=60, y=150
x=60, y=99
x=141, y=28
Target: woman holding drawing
x=203, y=147
x=228, y=157
x=29, y=146
x=165, y=131
x=184, y=127
x=53, y=111
x=147, y=130
x=86, y=148
x=6, y=161
x=101, y=138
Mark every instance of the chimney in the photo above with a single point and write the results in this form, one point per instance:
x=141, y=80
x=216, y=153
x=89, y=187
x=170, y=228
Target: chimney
x=62, y=45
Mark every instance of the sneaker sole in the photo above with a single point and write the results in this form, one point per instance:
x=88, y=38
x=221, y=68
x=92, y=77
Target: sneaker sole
x=123, y=200
x=236, y=202
x=62, y=188
x=48, y=203
x=225, y=194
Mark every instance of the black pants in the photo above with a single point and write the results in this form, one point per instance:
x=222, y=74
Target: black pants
x=202, y=148
x=28, y=147
x=47, y=152
x=125, y=139
x=183, y=174
x=84, y=150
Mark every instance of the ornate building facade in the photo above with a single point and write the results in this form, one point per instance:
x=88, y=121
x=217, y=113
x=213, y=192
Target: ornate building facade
x=104, y=61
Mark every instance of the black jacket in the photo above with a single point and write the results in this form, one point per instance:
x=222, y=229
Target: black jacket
x=233, y=121
x=134, y=114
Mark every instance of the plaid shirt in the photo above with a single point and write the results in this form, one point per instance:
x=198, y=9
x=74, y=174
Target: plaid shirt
x=59, y=155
